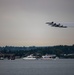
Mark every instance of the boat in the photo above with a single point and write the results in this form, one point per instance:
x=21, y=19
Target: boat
x=30, y=57
x=47, y=57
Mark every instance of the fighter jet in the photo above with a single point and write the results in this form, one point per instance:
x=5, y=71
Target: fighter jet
x=63, y=26
x=56, y=25
x=50, y=23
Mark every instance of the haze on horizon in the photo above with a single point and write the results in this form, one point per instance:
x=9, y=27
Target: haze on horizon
x=22, y=22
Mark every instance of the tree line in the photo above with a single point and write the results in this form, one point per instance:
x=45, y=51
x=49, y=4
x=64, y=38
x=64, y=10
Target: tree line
x=64, y=51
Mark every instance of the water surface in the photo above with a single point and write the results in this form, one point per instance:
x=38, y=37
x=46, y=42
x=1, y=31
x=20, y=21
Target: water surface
x=37, y=67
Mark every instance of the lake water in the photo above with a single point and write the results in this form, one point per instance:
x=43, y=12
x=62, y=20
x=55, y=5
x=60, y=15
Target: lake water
x=37, y=67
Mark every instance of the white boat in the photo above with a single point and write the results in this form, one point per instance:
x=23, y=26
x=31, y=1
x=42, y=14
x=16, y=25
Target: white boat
x=47, y=57
x=30, y=57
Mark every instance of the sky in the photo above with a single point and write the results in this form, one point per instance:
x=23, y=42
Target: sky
x=22, y=22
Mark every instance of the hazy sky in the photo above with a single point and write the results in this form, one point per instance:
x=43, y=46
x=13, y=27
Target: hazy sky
x=22, y=22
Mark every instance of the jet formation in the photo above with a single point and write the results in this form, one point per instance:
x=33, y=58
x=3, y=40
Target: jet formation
x=56, y=25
